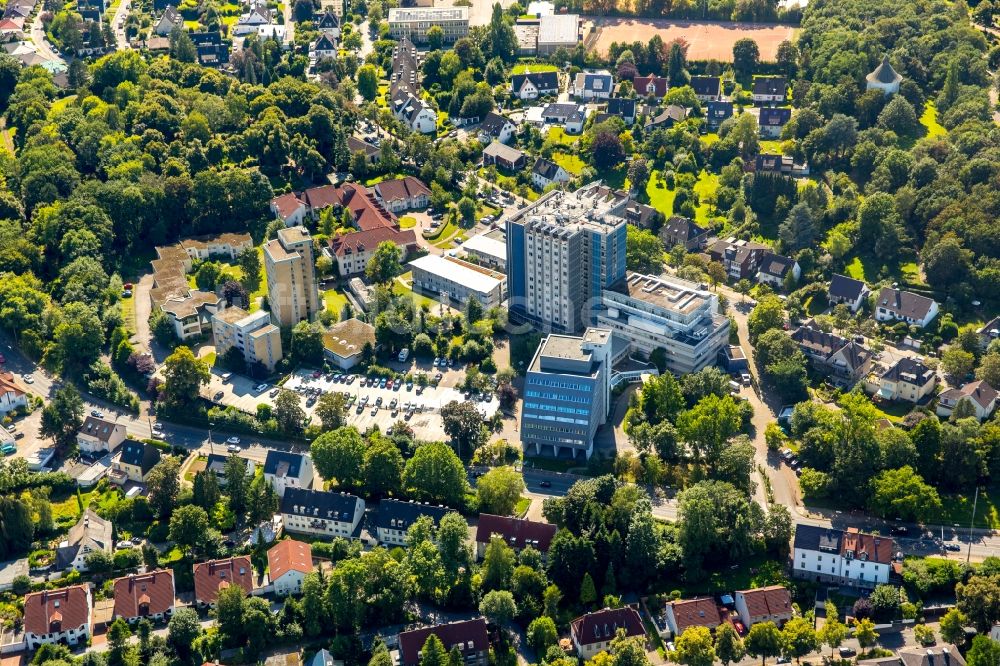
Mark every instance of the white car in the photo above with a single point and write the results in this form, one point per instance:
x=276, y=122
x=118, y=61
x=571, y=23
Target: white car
x=233, y=440
x=28, y=379
x=157, y=427
x=260, y=388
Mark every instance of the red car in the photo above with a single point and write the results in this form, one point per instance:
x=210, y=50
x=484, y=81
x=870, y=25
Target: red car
x=388, y=384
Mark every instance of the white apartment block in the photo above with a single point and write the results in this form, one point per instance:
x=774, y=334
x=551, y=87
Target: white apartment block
x=676, y=315
x=414, y=22
x=319, y=513
x=250, y=332
x=846, y=558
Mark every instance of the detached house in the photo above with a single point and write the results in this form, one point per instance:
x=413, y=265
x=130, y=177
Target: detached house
x=851, y=558
x=401, y=194
x=680, y=615
x=417, y=115
x=98, y=436
x=469, y=637
x=90, y=534
x=979, y=394
x=134, y=462
x=774, y=270
x=353, y=251
x=321, y=513
x=517, y=533
x=667, y=118
x=717, y=113
x=12, y=394
x=741, y=258
x=895, y=305
x=848, y=291
x=682, y=231
x=622, y=107
x=284, y=469
x=764, y=604
x=908, y=380
x=168, y=21
x=707, y=88
x=593, y=85
x=650, y=86
x=212, y=576
x=328, y=24
x=532, y=85
x=546, y=172
x=58, y=616
x=496, y=127
x=325, y=46
x=290, y=209
x=593, y=632
x=769, y=89
x=148, y=595
x=395, y=517
x=504, y=157
x=773, y=120
x=831, y=354
x=288, y=563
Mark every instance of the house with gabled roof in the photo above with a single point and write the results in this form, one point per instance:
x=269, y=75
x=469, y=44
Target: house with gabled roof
x=504, y=157
x=147, y=595
x=518, y=533
x=64, y=615
x=847, y=290
x=417, y=115
x=831, y=354
x=545, y=172
x=593, y=85
x=395, y=517
x=980, y=395
x=469, y=637
x=319, y=513
x=895, y=305
x=288, y=563
x=91, y=533
x=884, y=78
x=593, y=633
x=328, y=24
x=764, y=604
x=623, y=107
x=325, y=46
x=683, y=231
x=289, y=208
x=532, y=85
x=907, y=380
x=284, y=469
x=646, y=86
x=169, y=20
x=775, y=268
x=496, y=127
x=99, y=435
x=829, y=555
x=669, y=116
x=684, y=613
x=717, y=112
x=707, y=88
x=13, y=394
x=134, y=461
x=772, y=121
x=768, y=89
x=400, y=194
x=213, y=576
x=353, y=251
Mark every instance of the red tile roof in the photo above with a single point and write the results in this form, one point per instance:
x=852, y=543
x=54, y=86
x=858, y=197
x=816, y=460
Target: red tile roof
x=401, y=188
x=695, y=613
x=287, y=204
x=212, y=576
x=454, y=633
x=641, y=83
x=321, y=197
x=604, y=624
x=361, y=240
x=765, y=601
x=368, y=212
x=867, y=547
x=68, y=607
x=154, y=591
x=515, y=531
x=8, y=384
x=289, y=555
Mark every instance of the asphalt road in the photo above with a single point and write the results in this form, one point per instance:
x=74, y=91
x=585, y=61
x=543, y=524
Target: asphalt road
x=118, y=25
x=41, y=43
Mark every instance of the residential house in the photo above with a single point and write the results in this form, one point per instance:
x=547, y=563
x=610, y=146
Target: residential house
x=344, y=342
x=641, y=215
x=764, y=604
x=367, y=211
x=593, y=85
x=469, y=637
x=496, y=127
x=98, y=436
x=622, y=107
x=212, y=576
x=717, y=113
x=395, y=517
x=169, y=20
x=284, y=469
x=12, y=394
x=650, y=86
x=774, y=270
x=780, y=164
x=504, y=157
x=247, y=23
x=532, y=85
x=847, y=290
x=907, y=380
x=417, y=115
x=769, y=89
x=979, y=394
x=325, y=46
x=401, y=194
x=560, y=113
x=895, y=305
x=318, y=513
x=90, y=534
x=741, y=258
x=773, y=120
x=828, y=555
x=546, y=172
x=352, y=252
x=594, y=632
x=328, y=24
x=134, y=461
x=684, y=613
x=939, y=654
x=371, y=153
x=216, y=464
x=147, y=595
x=288, y=563
x=831, y=354
x=324, y=658
x=517, y=533
x=575, y=121
x=64, y=615
x=707, y=88
x=987, y=334
x=884, y=78
x=682, y=231
x=289, y=208
x=669, y=116
x=252, y=334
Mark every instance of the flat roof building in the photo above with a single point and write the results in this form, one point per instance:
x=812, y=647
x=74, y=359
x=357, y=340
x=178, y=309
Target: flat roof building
x=414, y=22
x=252, y=333
x=291, y=276
x=487, y=250
x=557, y=31
x=567, y=389
x=460, y=280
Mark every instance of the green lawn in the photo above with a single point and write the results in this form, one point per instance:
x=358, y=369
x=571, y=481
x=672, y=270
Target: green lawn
x=770, y=147
x=522, y=506
x=958, y=509
x=929, y=120
x=662, y=199
x=407, y=222
x=533, y=67
x=558, y=135
x=710, y=138
x=855, y=269
x=401, y=289
x=334, y=301
x=572, y=163
x=60, y=104
x=705, y=187
x=128, y=313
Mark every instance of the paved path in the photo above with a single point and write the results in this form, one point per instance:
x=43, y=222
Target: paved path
x=118, y=25
x=41, y=42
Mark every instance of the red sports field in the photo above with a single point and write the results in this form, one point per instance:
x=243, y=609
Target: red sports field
x=708, y=40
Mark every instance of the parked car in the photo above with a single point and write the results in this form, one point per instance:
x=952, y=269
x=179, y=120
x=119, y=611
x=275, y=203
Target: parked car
x=233, y=440
x=218, y=396
x=8, y=449
x=273, y=393
x=260, y=388
x=846, y=652
x=28, y=379
x=98, y=413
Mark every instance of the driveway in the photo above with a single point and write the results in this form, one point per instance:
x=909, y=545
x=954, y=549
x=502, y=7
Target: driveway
x=143, y=308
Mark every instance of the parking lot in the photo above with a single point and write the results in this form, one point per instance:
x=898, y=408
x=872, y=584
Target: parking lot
x=376, y=403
